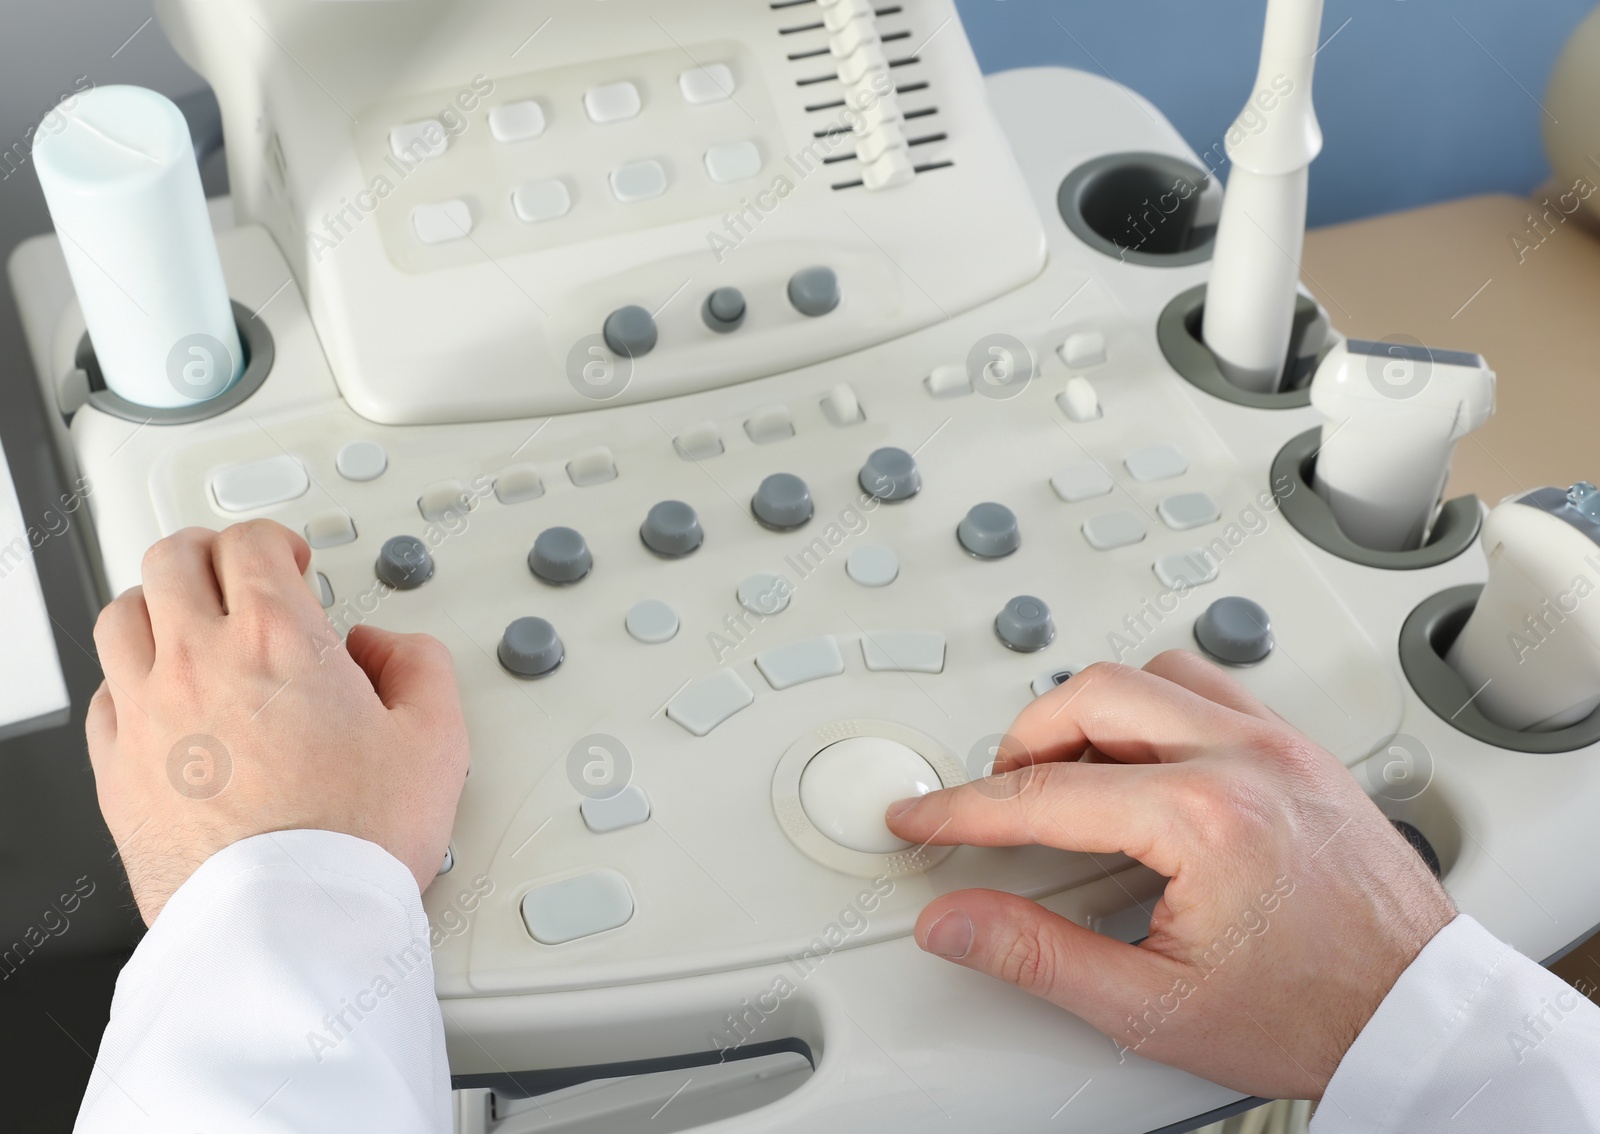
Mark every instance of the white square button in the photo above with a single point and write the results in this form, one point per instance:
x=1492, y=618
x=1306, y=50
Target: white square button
x=330, y=528
x=1081, y=482
x=577, y=907
x=733, y=161
x=612, y=102
x=711, y=83
x=541, y=200
x=1158, y=462
x=1186, y=569
x=1079, y=401
x=948, y=380
x=699, y=441
x=1113, y=530
x=417, y=140
x=769, y=424
x=1188, y=510
x=444, y=499
x=441, y=221
x=903, y=651
x=516, y=121
x=604, y=814
x=260, y=484
x=592, y=466
x=638, y=181
x=1083, y=350
x=517, y=483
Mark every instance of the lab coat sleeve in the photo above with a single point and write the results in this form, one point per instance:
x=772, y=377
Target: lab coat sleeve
x=286, y=987
x=1474, y=1038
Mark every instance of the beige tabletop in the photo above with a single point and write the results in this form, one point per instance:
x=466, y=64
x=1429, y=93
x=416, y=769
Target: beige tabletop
x=1450, y=276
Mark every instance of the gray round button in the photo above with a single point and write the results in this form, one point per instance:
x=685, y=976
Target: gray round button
x=671, y=528
x=404, y=562
x=890, y=474
x=560, y=555
x=630, y=332
x=1025, y=624
x=530, y=647
x=724, y=309
x=782, y=501
x=1235, y=630
x=989, y=531
x=814, y=291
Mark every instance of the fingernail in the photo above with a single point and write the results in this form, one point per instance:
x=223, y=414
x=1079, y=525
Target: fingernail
x=900, y=806
x=950, y=936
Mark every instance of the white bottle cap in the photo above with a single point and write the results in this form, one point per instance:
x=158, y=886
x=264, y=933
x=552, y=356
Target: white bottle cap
x=118, y=171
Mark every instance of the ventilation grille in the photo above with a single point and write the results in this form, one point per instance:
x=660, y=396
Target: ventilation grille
x=815, y=73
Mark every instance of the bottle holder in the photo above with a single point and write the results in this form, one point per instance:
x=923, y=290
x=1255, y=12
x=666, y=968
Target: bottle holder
x=1108, y=201
x=258, y=354
x=1425, y=639
x=1178, y=332
x=1455, y=530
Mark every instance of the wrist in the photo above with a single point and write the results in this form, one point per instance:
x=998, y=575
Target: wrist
x=1412, y=926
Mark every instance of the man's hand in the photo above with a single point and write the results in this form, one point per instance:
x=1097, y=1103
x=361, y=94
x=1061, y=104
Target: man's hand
x=1292, y=904
x=230, y=708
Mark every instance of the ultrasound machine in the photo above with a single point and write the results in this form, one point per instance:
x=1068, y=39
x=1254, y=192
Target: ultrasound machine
x=764, y=405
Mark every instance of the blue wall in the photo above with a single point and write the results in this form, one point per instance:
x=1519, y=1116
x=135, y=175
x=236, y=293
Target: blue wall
x=1412, y=109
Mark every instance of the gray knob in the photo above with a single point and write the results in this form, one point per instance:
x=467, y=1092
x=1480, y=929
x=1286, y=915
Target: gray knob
x=530, y=647
x=724, y=309
x=890, y=474
x=404, y=562
x=989, y=531
x=560, y=555
x=783, y=501
x=1235, y=630
x=814, y=291
x=630, y=332
x=672, y=528
x=1025, y=624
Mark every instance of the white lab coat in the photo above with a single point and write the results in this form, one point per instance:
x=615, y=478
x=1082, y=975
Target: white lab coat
x=1458, y=1047
x=228, y=1016
x=287, y=987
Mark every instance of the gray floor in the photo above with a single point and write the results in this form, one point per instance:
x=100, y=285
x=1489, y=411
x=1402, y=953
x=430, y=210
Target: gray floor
x=53, y=1020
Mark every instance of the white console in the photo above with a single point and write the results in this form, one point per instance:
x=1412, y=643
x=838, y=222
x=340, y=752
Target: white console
x=665, y=153
x=639, y=875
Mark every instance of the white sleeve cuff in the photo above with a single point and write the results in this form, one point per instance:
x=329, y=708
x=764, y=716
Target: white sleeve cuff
x=1473, y=1037
x=286, y=986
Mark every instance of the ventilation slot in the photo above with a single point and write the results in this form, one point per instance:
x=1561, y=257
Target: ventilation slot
x=909, y=143
x=835, y=104
x=917, y=169
x=892, y=10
